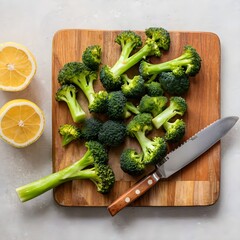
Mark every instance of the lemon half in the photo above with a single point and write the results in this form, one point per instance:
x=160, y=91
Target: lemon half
x=21, y=122
x=17, y=66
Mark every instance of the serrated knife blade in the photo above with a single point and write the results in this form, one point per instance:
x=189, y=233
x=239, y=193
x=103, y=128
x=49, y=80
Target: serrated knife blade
x=176, y=160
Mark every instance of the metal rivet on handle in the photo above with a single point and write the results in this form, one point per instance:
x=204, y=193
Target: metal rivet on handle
x=150, y=182
x=137, y=191
x=127, y=199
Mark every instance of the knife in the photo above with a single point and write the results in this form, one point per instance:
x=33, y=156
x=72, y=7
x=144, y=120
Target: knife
x=176, y=160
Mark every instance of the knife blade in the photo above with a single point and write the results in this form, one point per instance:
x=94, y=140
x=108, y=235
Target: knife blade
x=176, y=160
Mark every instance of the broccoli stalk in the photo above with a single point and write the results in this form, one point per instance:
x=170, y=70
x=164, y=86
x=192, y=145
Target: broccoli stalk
x=157, y=38
x=177, y=106
x=93, y=166
x=68, y=94
x=188, y=63
x=69, y=133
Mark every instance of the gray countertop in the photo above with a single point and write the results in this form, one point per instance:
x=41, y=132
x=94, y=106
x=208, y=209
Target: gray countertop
x=33, y=23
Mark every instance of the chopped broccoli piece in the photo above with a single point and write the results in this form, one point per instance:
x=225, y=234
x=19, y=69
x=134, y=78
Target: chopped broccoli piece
x=90, y=129
x=99, y=103
x=118, y=107
x=69, y=133
x=93, y=166
x=131, y=162
x=175, y=131
x=153, y=105
x=157, y=38
x=112, y=133
x=68, y=94
x=188, y=63
x=154, y=89
x=154, y=150
x=91, y=57
x=80, y=75
x=173, y=84
x=177, y=106
x=133, y=88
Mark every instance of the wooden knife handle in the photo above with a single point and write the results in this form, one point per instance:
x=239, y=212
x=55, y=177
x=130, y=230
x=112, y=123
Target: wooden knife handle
x=133, y=193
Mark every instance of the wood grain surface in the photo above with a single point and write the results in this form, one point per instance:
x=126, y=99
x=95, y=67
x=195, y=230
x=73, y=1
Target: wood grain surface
x=196, y=185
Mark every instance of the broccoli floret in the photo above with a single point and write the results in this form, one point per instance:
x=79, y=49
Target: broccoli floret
x=133, y=87
x=154, y=150
x=177, y=106
x=90, y=129
x=69, y=133
x=93, y=166
x=157, y=38
x=99, y=103
x=68, y=94
x=153, y=105
x=91, y=57
x=131, y=162
x=174, y=85
x=188, y=63
x=80, y=75
x=154, y=89
x=175, y=131
x=118, y=107
x=112, y=133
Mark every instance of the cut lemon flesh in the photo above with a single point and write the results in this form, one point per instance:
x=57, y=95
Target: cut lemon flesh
x=21, y=122
x=17, y=66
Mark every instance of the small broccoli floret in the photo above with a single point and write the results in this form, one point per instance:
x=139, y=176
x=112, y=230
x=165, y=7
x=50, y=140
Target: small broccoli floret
x=91, y=57
x=188, y=63
x=69, y=133
x=157, y=38
x=118, y=107
x=99, y=104
x=154, y=150
x=133, y=88
x=112, y=133
x=68, y=94
x=92, y=166
x=154, y=89
x=80, y=75
x=90, y=129
x=175, y=131
x=174, y=85
x=177, y=106
x=131, y=162
x=153, y=105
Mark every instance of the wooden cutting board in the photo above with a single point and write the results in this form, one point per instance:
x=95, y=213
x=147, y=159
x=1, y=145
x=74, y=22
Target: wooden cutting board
x=197, y=184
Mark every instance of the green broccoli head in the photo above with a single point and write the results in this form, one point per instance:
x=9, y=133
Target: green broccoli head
x=116, y=106
x=140, y=123
x=90, y=129
x=91, y=57
x=69, y=133
x=109, y=80
x=153, y=105
x=154, y=89
x=131, y=162
x=188, y=63
x=154, y=150
x=101, y=175
x=160, y=35
x=177, y=106
x=129, y=41
x=99, y=104
x=68, y=94
x=175, y=131
x=133, y=88
x=174, y=85
x=112, y=133
x=80, y=75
